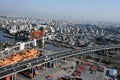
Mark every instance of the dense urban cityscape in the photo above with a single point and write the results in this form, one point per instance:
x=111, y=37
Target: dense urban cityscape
x=76, y=35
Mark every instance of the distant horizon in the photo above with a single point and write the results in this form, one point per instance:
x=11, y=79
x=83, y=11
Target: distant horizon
x=91, y=10
x=70, y=19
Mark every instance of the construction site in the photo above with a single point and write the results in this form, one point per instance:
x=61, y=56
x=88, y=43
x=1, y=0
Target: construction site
x=69, y=69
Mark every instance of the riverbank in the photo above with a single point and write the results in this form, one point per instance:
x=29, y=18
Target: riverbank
x=2, y=38
x=8, y=35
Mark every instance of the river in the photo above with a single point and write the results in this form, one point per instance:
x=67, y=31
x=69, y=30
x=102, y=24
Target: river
x=2, y=38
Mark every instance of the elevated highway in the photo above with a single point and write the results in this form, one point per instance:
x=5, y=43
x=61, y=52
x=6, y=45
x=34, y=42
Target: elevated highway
x=23, y=65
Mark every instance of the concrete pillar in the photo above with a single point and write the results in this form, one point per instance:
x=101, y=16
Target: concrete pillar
x=56, y=62
x=29, y=45
x=2, y=55
x=35, y=42
x=22, y=46
x=92, y=54
x=15, y=76
x=117, y=51
x=114, y=50
x=65, y=59
x=7, y=50
x=32, y=73
x=107, y=52
x=104, y=52
x=12, y=76
x=74, y=58
x=43, y=41
x=111, y=50
x=44, y=67
x=85, y=55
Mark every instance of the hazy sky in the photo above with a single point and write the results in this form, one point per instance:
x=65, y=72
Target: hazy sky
x=107, y=10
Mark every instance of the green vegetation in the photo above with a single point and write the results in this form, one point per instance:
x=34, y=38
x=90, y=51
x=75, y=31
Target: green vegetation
x=1, y=44
x=101, y=40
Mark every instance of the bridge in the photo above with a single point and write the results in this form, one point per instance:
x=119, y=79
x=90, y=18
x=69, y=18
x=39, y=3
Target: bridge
x=24, y=65
x=19, y=46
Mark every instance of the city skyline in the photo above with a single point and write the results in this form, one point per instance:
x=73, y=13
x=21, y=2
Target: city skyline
x=102, y=10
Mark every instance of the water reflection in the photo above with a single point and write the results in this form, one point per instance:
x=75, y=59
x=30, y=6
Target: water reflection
x=2, y=38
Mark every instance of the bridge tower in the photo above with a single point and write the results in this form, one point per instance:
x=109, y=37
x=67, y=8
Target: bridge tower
x=22, y=46
x=38, y=35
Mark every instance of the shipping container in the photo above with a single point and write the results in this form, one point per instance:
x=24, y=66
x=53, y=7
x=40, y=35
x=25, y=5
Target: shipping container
x=20, y=56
